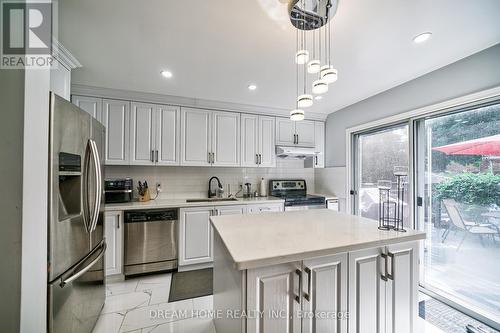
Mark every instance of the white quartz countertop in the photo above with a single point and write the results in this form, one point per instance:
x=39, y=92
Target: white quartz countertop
x=274, y=238
x=181, y=203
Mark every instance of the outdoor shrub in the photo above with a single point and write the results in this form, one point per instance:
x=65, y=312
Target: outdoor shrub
x=471, y=188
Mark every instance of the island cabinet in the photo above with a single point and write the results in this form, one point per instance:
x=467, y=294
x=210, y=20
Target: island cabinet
x=385, y=279
x=364, y=291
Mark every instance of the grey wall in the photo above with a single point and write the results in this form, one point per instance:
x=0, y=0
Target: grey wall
x=475, y=73
x=11, y=176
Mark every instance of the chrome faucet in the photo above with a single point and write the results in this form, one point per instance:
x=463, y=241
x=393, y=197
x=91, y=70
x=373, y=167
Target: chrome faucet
x=218, y=192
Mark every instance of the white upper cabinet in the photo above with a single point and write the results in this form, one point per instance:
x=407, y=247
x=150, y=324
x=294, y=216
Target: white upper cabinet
x=92, y=105
x=285, y=132
x=168, y=135
x=294, y=133
x=267, y=152
x=210, y=138
x=154, y=134
x=225, y=139
x=196, y=137
x=319, y=141
x=257, y=141
x=142, y=134
x=249, y=140
x=116, y=119
x=304, y=130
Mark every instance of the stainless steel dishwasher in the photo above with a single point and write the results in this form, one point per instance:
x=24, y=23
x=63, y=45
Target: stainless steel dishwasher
x=150, y=241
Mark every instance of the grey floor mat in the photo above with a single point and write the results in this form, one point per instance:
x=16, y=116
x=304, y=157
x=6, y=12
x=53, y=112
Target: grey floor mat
x=191, y=284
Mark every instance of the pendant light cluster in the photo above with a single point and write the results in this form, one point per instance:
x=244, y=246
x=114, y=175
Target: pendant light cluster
x=318, y=66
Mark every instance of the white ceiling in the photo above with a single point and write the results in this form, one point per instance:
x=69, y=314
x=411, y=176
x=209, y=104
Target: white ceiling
x=216, y=48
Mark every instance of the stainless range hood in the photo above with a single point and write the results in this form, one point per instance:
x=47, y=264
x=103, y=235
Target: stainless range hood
x=300, y=153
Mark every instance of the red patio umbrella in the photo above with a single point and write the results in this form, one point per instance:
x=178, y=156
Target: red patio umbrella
x=487, y=146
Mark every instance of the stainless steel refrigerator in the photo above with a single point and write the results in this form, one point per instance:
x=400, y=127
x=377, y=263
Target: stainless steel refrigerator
x=76, y=245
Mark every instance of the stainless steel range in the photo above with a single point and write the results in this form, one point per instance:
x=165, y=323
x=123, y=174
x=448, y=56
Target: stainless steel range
x=294, y=191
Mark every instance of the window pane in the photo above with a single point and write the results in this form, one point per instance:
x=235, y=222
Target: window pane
x=461, y=202
x=379, y=155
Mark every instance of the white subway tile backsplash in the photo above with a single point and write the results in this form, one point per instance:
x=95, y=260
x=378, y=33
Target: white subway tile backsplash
x=192, y=182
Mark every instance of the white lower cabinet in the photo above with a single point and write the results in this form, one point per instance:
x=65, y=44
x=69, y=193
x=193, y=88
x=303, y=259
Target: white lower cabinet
x=273, y=292
x=196, y=234
x=385, y=279
x=113, y=231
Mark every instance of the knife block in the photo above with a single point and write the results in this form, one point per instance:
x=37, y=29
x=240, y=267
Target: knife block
x=145, y=197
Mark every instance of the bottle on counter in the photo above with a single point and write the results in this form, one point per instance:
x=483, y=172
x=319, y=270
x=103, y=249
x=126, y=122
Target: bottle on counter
x=263, y=188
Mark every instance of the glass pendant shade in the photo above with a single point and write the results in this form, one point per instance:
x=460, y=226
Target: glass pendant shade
x=297, y=115
x=302, y=57
x=319, y=87
x=329, y=74
x=304, y=101
x=313, y=66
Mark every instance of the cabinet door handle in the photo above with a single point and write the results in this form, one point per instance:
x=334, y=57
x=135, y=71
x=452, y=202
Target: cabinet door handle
x=390, y=276
x=260, y=159
x=208, y=154
x=256, y=158
x=118, y=223
x=316, y=157
x=213, y=158
x=152, y=155
x=383, y=276
x=307, y=295
x=299, y=273
x=157, y=156
x=297, y=139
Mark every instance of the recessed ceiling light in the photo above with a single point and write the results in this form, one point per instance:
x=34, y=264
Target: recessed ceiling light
x=166, y=74
x=252, y=87
x=422, y=37
x=318, y=97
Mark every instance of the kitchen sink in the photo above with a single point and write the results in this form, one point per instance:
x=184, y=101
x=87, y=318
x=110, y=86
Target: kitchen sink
x=211, y=200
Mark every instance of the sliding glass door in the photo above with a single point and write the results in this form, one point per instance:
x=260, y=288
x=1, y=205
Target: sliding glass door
x=458, y=184
x=377, y=154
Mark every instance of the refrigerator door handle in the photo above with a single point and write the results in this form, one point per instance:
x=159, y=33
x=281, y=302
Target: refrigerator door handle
x=87, y=215
x=86, y=268
x=98, y=184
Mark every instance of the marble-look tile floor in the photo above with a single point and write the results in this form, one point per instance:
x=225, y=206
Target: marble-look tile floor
x=140, y=305
x=130, y=304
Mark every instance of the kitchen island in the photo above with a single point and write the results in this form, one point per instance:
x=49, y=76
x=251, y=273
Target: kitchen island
x=313, y=271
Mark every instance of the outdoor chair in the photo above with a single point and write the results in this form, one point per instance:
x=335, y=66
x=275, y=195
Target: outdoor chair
x=466, y=226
